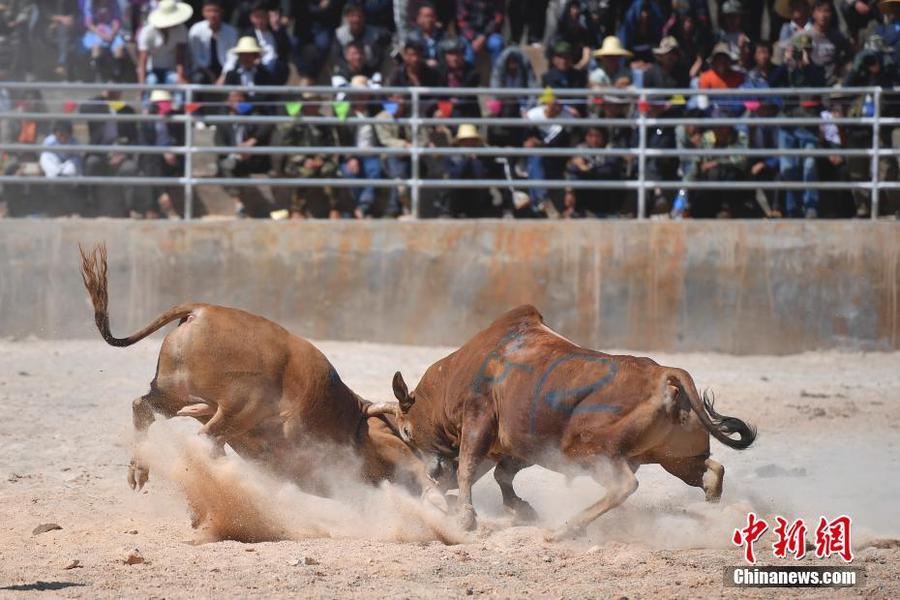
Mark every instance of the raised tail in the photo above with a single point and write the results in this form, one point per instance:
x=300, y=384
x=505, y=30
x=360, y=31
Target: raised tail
x=719, y=426
x=93, y=273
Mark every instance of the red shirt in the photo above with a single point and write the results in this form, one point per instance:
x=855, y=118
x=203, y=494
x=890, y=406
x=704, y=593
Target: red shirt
x=710, y=80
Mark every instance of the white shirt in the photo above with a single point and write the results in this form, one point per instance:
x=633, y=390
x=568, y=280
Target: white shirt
x=266, y=41
x=198, y=43
x=548, y=132
x=58, y=164
x=161, y=50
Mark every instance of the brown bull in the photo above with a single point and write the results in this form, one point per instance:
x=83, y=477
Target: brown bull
x=270, y=395
x=519, y=394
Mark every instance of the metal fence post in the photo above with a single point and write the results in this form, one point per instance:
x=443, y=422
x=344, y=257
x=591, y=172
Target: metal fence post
x=876, y=146
x=189, y=154
x=414, y=149
x=642, y=158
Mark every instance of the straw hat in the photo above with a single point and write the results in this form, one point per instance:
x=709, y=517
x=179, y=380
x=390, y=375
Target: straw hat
x=723, y=48
x=783, y=7
x=611, y=46
x=360, y=82
x=170, y=13
x=467, y=131
x=666, y=45
x=246, y=45
x=160, y=96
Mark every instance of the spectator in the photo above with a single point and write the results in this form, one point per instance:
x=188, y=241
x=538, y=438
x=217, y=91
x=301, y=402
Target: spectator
x=511, y=70
x=243, y=164
x=312, y=201
x=798, y=23
x=363, y=166
x=15, y=25
x=414, y=72
x=480, y=24
x=272, y=39
x=693, y=34
x=723, y=76
x=428, y=33
x=476, y=203
x=596, y=167
x=830, y=49
x=610, y=71
x=57, y=25
x=457, y=73
x=393, y=135
x=562, y=74
x=667, y=71
x=732, y=30
x=379, y=13
x=889, y=31
x=247, y=70
x=803, y=73
x=858, y=15
x=209, y=41
x=729, y=168
x=110, y=201
x=641, y=28
x=54, y=160
x=764, y=73
x=571, y=28
x=103, y=37
x=354, y=64
x=530, y=14
x=547, y=135
x=373, y=40
x=162, y=132
x=162, y=45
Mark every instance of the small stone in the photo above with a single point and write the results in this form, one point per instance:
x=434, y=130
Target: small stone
x=294, y=563
x=215, y=570
x=469, y=591
x=309, y=560
x=24, y=373
x=134, y=557
x=75, y=564
x=547, y=558
x=593, y=550
x=132, y=531
x=44, y=528
x=249, y=549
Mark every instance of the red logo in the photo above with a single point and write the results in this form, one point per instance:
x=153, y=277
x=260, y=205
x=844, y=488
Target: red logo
x=832, y=537
x=748, y=535
x=791, y=540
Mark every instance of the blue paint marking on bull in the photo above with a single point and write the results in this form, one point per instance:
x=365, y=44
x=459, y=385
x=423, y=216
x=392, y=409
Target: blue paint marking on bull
x=559, y=399
x=515, y=341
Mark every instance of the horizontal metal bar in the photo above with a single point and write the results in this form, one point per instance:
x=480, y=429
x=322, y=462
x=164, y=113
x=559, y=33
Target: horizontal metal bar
x=449, y=183
x=90, y=149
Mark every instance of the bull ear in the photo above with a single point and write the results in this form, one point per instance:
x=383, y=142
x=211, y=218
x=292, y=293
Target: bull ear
x=401, y=392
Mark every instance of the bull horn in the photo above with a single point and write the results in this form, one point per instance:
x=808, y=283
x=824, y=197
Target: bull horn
x=381, y=408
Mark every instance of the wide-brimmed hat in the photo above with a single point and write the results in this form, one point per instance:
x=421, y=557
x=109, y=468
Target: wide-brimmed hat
x=783, y=7
x=723, y=48
x=666, y=45
x=732, y=7
x=360, y=82
x=246, y=45
x=160, y=96
x=467, y=131
x=889, y=7
x=169, y=13
x=611, y=46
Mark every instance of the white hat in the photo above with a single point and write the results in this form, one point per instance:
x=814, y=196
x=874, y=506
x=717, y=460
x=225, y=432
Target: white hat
x=246, y=45
x=170, y=13
x=612, y=46
x=160, y=96
x=467, y=131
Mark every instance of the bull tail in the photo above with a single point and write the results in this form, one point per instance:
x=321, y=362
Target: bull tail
x=93, y=273
x=719, y=426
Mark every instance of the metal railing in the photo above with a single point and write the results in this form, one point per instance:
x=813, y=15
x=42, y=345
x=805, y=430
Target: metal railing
x=639, y=102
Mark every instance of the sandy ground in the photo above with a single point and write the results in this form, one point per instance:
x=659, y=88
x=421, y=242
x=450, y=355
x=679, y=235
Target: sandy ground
x=829, y=444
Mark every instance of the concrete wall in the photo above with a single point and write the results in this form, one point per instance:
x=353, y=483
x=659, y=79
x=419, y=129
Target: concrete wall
x=740, y=287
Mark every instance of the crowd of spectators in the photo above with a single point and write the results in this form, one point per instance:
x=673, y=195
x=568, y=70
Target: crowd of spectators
x=550, y=46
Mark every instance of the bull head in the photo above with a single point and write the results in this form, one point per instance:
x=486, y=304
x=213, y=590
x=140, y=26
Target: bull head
x=402, y=393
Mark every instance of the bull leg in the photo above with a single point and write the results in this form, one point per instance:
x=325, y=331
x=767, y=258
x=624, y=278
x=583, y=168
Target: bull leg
x=142, y=416
x=477, y=435
x=621, y=484
x=503, y=474
x=698, y=471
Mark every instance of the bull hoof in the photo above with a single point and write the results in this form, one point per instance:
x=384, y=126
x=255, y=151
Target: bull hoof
x=522, y=512
x=433, y=497
x=564, y=533
x=138, y=475
x=466, y=517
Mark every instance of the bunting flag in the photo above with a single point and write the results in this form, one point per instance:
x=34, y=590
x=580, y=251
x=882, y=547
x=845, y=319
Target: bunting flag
x=115, y=105
x=494, y=107
x=677, y=100
x=390, y=107
x=164, y=106
x=752, y=105
x=643, y=106
x=70, y=106
x=192, y=107
x=445, y=108
x=547, y=96
x=293, y=108
x=341, y=109
x=244, y=108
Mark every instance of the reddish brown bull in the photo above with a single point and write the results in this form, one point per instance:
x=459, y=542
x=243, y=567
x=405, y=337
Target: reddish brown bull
x=519, y=394
x=270, y=395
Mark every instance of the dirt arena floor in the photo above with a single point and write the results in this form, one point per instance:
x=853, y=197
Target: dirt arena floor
x=829, y=444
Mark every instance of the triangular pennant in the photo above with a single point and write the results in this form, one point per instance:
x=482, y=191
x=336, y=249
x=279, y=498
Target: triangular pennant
x=164, y=106
x=192, y=107
x=547, y=96
x=293, y=108
x=445, y=108
x=390, y=107
x=115, y=105
x=341, y=109
x=677, y=100
x=70, y=106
